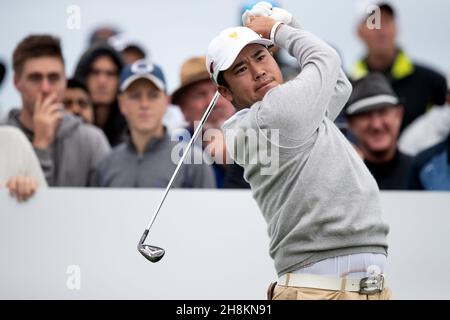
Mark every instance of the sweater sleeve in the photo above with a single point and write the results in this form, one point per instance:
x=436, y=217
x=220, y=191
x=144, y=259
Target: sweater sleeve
x=297, y=107
x=20, y=159
x=342, y=92
x=342, y=89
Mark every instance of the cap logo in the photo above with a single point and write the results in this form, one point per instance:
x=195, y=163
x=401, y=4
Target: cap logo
x=234, y=35
x=141, y=67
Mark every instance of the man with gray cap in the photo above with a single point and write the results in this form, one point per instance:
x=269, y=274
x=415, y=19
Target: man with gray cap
x=320, y=202
x=374, y=116
x=148, y=158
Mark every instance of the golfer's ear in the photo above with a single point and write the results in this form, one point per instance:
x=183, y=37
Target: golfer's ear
x=225, y=92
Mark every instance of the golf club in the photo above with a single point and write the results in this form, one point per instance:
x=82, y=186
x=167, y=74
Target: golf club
x=153, y=253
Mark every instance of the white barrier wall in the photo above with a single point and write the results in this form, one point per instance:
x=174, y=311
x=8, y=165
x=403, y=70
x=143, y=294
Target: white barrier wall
x=81, y=244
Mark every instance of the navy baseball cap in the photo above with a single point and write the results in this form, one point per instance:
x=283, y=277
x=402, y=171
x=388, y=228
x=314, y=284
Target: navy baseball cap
x=142, y=69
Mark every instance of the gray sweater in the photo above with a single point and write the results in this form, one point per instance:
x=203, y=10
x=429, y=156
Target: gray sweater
x=71, y=159
x=321, y=201
x=125, y=168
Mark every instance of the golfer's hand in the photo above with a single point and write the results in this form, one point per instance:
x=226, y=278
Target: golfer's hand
x=261, y=9
x=265, y=9
x=46, y=119
x=261, y=25
x=21, y=187
x=281, y=15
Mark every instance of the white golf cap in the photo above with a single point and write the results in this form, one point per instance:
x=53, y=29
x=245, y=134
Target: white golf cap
x=224, y=49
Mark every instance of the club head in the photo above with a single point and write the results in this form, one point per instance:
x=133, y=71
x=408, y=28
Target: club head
x=151, y=253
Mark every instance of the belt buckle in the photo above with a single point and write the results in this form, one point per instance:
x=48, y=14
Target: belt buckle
x=371, y=285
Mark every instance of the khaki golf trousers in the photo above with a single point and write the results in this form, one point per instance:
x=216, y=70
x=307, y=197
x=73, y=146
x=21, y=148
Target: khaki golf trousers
x=277, y=292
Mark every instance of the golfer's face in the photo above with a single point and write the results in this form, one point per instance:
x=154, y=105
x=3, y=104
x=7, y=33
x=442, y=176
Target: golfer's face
x=252, y=75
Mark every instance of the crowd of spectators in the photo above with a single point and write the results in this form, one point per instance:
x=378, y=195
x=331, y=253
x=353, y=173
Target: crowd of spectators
x=112, y=123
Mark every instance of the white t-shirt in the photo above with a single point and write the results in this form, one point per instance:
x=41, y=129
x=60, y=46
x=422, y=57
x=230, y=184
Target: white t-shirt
x=17, y=157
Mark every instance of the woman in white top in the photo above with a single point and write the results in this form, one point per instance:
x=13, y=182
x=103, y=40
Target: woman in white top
x=20, y=170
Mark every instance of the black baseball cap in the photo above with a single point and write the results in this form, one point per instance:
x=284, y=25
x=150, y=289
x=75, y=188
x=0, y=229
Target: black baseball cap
x=370, y=93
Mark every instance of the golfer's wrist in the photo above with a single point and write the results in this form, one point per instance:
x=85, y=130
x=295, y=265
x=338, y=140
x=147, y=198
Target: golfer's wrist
x=274, y=30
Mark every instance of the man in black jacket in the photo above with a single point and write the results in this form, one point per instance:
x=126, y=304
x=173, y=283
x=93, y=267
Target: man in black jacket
x=374, y=115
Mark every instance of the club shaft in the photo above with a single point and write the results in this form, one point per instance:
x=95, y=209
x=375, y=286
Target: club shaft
x=180, y=163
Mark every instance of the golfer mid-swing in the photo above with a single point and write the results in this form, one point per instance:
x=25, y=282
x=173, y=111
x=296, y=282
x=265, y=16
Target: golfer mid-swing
x=322, y=206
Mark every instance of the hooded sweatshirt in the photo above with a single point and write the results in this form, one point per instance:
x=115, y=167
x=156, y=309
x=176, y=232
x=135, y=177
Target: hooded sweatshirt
x=116, y=126
x=71, y=159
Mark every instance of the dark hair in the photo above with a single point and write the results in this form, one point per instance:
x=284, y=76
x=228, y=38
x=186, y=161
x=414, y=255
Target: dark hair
x=96, y=51
x=221, y=80
x=36, y=46
x=386, y=7
x=135, y=48
x=74, y=83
